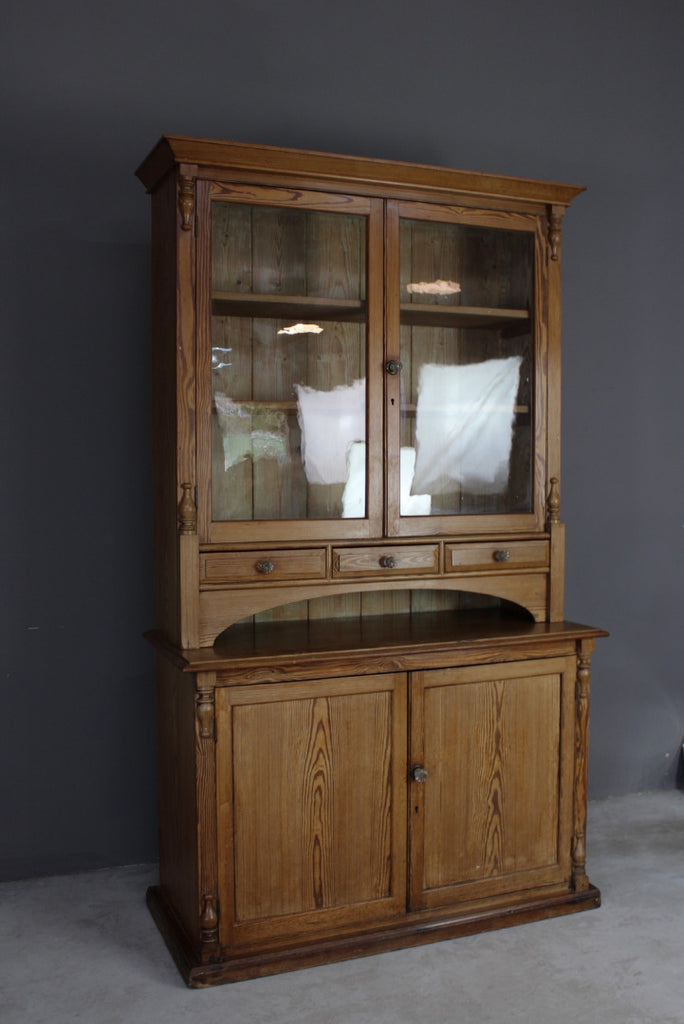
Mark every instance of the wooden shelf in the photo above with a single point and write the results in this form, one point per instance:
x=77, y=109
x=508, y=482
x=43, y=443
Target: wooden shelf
x=243, y=645
x=413, y=314
x=418, y=314
x=291, y=406
x=288, y=406
x=279, y=307
x=408, y=409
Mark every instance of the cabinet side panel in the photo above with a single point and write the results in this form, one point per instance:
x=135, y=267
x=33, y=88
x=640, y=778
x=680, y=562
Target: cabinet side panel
x=178, y=857
x=164, y=425
x=546, y=399
x=553, y=265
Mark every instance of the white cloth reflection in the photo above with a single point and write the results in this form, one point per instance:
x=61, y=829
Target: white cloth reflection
x=411, y=504
x=354, y=496
x=251, y=431
x=330, y=422
x=464, y=425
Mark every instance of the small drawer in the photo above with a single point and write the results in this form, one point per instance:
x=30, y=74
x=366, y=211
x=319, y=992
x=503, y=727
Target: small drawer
x=263, y=566
x=503, y=555
x=386, y=560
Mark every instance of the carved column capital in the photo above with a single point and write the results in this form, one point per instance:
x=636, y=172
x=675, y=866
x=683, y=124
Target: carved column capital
x=583, y=676
x=553, y=502
x=555, y=221
x=582, y=683
x=209, y=924
x=205, y=707
x=187, y=511
x=186, y=200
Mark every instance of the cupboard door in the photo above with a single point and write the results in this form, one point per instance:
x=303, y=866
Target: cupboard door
x=311, y=805
x=465, y=374
x=493, y=814
x=291, y=300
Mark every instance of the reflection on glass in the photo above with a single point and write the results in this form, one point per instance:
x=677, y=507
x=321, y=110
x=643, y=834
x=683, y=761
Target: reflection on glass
x=437, y=287
x=464, y=425
x=353, y=499
x=466, y=383
x=288, y=362
x=250, y=431
x=331, y=422
x=301, y=329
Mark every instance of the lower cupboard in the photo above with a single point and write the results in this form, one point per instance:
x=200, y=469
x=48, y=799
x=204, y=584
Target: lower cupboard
x=311, y=819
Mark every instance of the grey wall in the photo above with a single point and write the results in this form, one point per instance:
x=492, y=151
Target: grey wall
x=585, y=92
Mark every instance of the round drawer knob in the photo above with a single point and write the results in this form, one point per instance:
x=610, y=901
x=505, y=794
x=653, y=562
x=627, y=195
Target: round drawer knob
x=388, y=562
x=418, y=773
x=393, y=367
x=265, y=567
x=501, y=555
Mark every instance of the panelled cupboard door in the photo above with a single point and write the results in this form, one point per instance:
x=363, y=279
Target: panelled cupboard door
x=493, y=813
x=311, y=783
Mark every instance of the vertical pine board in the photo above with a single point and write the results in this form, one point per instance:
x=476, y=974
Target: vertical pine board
x=337, y=606
x=336, y=256
x=279, y=362
x=294, y=612
x=312, y=803
x=434, y=600
x=335, y=268
x=279, y=266
x=231, y=247
x=231, y=270
x=435, y=253
x=386, y=602
x=493, y=753
x=278, y=251
x=408, y=385
x=231, y=488
x=498, y=267
x=164, y=422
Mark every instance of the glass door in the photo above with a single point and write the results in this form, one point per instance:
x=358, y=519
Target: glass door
x=461, y=375
x=295, y=309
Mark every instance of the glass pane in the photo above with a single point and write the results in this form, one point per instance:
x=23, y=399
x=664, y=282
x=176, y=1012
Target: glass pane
x=288, y=363
x=467, y=377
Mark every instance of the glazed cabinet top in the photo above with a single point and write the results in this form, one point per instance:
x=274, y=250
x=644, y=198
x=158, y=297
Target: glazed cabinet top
x=374, y=343
x=356, y=368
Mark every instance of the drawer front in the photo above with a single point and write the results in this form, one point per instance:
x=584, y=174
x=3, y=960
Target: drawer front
x=386, y=560
x=516, y=554
x=263, y=566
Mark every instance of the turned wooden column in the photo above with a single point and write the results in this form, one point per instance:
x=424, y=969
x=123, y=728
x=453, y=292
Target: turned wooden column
x=205, y=750
x=580, y=881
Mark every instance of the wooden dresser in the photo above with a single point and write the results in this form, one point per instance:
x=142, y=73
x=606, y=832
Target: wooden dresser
x=373, y=716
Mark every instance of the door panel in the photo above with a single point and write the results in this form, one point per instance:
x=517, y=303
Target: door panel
x=311, y=781
x=493, y=814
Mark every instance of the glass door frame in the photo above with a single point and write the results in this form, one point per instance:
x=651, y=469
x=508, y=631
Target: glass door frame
x=237, y=531
x=397, y=525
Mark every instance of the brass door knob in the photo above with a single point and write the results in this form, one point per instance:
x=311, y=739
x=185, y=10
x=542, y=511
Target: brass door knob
x=418, y=773
x=393, y=367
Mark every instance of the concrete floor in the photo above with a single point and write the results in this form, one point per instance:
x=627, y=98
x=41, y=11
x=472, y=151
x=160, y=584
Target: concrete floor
x=83, y=948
